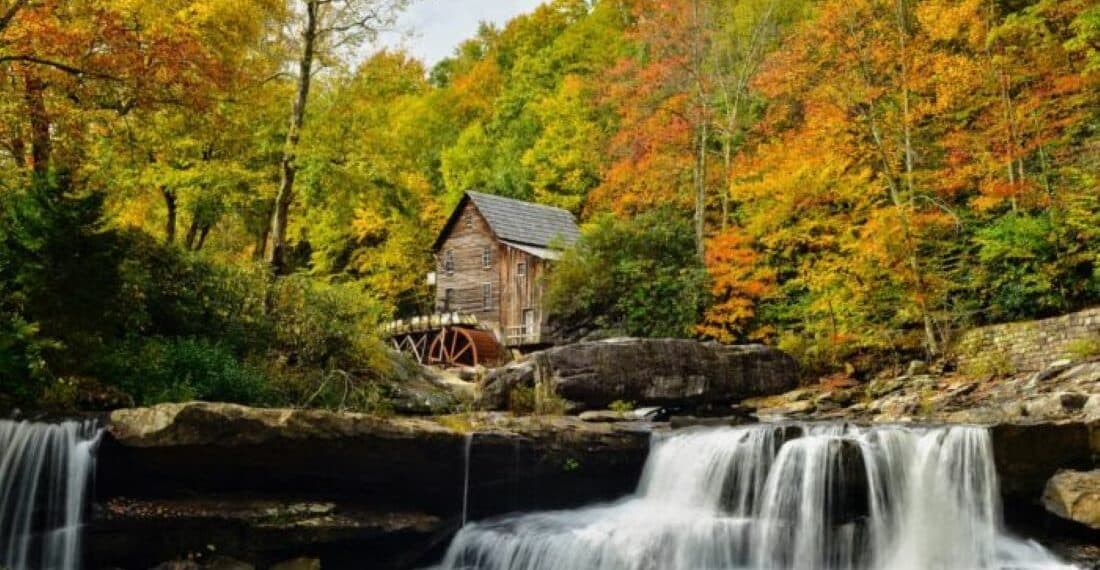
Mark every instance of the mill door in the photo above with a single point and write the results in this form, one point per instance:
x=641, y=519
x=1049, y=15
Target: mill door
x=530, y=327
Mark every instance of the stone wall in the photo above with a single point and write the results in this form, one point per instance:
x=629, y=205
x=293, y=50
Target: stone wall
x=1027, y=345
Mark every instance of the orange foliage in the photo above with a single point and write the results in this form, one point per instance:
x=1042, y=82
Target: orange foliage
x=740, y=279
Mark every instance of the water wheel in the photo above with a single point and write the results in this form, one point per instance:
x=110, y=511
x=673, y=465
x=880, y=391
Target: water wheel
x=414, y=344
x=459, y=346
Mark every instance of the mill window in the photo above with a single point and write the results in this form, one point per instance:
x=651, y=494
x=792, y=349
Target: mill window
x=521, y=270
x=449, y=261
x=487, y=295
x=486, y=257
x=448, y=300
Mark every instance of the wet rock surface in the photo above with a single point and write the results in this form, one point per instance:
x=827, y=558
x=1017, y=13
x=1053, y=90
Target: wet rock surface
x=221, y=533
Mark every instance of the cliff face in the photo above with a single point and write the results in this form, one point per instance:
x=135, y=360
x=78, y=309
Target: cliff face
x=266, y=485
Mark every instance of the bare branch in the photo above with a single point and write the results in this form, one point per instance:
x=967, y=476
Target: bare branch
x=71, y=70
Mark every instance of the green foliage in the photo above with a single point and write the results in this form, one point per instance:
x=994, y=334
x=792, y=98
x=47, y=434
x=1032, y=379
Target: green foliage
x=169, y=292
x=1018, y=272
x=521, y=400
x=327, y=325
x=1084, y=348
x=539, y=400
x=640, y=275
x=159, y=369
x=165, y=324
x=995, y=363
x=621, y=406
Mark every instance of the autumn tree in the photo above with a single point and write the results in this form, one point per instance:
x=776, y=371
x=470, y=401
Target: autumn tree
x=323, y=28
x=663, y=98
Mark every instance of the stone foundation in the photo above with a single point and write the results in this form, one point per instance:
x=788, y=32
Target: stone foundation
x=1028, y=345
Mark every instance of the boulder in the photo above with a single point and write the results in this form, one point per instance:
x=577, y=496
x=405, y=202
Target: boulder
x=916, y=368
x=1075, y=495
x=606, y=416
x=1056, y=405
x=1027, y=454
x=1053, y=369
x=656, y=372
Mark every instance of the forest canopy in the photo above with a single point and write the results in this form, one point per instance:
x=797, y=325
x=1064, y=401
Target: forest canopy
x=231, y=187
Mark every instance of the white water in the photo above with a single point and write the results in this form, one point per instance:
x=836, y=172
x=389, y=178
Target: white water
x=469, y=444
x=813, y=497
x=44, y=472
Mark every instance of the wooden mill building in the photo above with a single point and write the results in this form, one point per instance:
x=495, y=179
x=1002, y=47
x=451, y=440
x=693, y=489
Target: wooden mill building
x=490, y=259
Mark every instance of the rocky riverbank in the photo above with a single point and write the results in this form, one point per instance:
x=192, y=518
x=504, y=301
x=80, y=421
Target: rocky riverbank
x=215, y=482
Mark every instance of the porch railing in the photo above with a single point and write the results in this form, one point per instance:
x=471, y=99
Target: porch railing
x=520, y=335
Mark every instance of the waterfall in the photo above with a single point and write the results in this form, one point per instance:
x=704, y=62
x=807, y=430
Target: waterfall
x=44, y=473
x=779, y=496
x=467, y=448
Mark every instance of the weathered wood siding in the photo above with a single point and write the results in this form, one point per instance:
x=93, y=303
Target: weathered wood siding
x=520, y=293
x=466, y=243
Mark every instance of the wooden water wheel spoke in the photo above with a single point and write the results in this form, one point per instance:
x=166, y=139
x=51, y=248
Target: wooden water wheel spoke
x=421, y=347
x=449, y=346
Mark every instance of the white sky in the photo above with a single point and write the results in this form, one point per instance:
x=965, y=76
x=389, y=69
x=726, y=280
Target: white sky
x=431, y=29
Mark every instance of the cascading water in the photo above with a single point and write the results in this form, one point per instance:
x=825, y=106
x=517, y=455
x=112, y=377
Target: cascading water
x=799, y=497
x=466, y=449
x=44, y=473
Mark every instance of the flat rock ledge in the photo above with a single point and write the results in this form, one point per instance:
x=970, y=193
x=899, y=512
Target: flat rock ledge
x=646, y=372
x=318, y=483
x=202, y=423
x=132, y=532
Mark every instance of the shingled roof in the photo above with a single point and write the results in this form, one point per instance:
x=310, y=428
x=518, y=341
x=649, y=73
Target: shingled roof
x=519, y=222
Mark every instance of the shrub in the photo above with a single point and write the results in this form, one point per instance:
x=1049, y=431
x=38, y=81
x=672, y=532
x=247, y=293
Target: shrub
x=1023, y=271
x=641, y=275
x=621, y=406
x=159, y=370
x=331, y=326
x=995, y=363
x=170, y=292
x=1083, y=348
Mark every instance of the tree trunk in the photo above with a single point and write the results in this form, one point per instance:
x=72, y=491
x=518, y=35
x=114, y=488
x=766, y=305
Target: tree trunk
x=260, y=252
x=202, y=236
x=907, y=206
x=19, y=152
x=192, y=232
x=41, y=146
x=170, y=220
x=277, y=256
x=701, y=190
